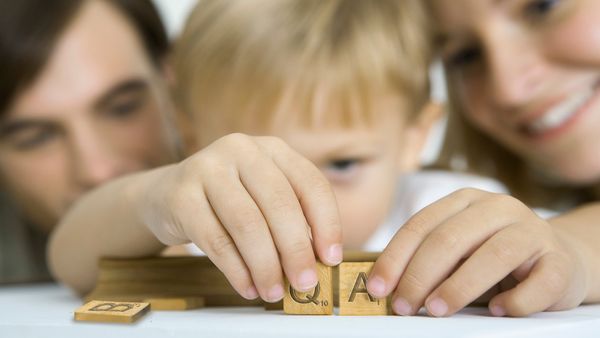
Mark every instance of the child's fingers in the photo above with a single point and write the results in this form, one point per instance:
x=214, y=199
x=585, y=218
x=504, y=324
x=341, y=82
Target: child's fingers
x=546, y=284
x=208, y=234
x=316, y=199
x=279, y=204
x=504, y=252
x=394, y=259
x=246, y=225
x=441, y=251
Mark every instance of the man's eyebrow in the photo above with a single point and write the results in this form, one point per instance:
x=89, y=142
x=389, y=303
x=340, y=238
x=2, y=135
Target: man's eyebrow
x=124, y=87
x=16, y=125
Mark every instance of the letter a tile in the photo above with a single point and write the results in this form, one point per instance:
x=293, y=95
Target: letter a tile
x=354, y=298
x=318, y=301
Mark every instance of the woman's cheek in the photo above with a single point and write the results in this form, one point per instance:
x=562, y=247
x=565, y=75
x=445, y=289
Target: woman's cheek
x=476, y=104
x=577, y=37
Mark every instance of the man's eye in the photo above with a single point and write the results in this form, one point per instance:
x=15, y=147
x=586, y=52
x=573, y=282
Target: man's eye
x=125, y=108
x=30, y=140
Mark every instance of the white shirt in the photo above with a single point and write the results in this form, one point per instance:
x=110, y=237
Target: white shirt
x=418, y=190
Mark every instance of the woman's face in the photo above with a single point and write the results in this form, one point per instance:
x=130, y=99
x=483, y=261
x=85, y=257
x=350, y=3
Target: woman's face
x=94, y=112
x=527, y=72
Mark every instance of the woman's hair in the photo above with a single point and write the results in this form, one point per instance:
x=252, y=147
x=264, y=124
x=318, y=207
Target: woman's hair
x=29, y=30
x=265, y=58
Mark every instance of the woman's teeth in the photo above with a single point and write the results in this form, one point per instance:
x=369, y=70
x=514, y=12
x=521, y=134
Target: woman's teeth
x=560, y=113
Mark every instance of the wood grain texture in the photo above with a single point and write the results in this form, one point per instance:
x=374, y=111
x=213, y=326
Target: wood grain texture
x=318, y=301
x=176, y=277
x=174, y=303
x=165, y=277
x=111, y=311
x=354, y=300
x=274, y=306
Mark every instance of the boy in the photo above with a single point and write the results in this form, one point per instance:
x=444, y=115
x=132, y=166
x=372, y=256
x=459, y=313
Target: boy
x=337, y=83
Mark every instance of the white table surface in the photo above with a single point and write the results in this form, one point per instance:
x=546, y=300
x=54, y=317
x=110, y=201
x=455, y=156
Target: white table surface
x=46, y=310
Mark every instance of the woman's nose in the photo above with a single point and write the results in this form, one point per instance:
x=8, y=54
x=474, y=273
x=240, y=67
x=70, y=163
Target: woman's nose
x=515, y=69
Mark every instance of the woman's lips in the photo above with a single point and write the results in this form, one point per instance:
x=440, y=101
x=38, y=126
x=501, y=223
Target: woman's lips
x=557, y=119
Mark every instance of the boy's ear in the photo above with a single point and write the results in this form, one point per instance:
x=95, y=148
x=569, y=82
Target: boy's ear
x=167, y=72
x=416, y=135
x=183, y=120
x=185, y=126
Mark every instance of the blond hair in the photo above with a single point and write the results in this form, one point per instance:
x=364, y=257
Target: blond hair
x=262, y=57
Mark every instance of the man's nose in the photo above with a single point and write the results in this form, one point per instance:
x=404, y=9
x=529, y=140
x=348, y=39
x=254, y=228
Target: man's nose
x=95, y=162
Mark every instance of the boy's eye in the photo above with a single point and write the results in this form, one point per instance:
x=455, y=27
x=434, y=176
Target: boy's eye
x=343, y=170
x=342, y=165
x=125, y=108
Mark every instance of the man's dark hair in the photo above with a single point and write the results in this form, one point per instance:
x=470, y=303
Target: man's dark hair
x=29, y=30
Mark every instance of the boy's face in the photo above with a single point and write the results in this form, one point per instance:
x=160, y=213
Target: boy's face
x=362, y=163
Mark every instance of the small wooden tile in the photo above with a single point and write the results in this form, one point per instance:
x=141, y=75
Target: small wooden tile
x=354, y=298
x=360, y=256
x=318, y=301
x=174, y=303
x=111, y=312
x=274, y=306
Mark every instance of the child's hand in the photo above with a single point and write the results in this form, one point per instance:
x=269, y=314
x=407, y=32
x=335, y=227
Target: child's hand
x=254, y=206
x=461, y=246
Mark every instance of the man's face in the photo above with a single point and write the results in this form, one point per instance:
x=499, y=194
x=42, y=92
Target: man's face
x=95, y=112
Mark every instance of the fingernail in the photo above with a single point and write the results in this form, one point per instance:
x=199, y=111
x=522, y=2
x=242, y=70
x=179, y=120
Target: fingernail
x=376, y=286
x=402, y=307
x=307, y=280
x=251, y=292
x=275, y=293
x=497, y=311
x=437, y=307
x=335, y=254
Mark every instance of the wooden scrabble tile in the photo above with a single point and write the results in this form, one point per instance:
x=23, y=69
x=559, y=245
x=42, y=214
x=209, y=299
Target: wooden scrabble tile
x=354, y=298
x=274, y=306
x=318, y=301
x=360, y=256
x=174, y=303
x=136, y=279
x=111, y=312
